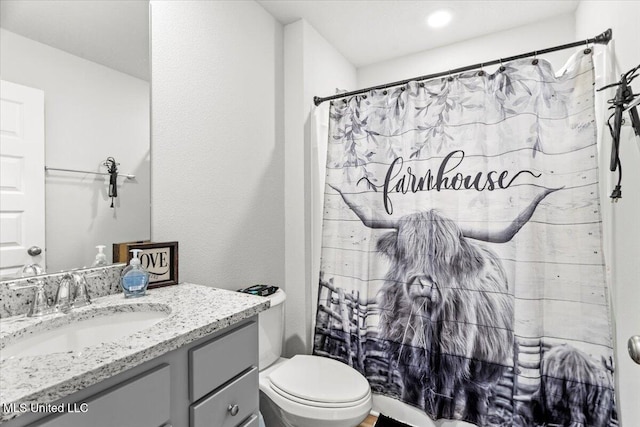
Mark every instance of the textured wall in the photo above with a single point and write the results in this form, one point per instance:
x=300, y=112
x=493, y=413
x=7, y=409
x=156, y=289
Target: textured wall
x=217, y=144
x=312, y=67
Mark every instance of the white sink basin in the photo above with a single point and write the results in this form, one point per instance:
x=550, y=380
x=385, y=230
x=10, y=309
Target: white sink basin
x=76, y=335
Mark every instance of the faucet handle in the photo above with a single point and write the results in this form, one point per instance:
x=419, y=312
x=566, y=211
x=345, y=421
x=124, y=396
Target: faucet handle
x=40, y=304
x=81, y=297
x=34, y=269
x=63, y=295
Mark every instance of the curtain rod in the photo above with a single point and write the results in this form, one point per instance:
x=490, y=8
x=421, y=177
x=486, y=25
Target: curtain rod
x=603, y=38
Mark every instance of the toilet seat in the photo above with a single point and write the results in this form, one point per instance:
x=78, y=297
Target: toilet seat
x=313, y=403
x=320, y=382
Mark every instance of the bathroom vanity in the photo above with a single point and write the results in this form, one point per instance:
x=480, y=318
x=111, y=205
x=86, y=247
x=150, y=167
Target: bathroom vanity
x=197, y=366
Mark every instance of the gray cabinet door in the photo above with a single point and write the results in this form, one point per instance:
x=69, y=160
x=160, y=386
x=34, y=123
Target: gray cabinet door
x=216, y=362
x=143, y=401
x=230, y=405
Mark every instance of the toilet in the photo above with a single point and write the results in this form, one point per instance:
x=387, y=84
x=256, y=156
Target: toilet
x=305, y=391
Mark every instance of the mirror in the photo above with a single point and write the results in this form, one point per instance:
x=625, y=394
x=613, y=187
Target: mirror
x=91, y=61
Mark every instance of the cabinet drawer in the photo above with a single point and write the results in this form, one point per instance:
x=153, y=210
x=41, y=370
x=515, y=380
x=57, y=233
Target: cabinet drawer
x=126, y=404
x=216, y=362
x=214, y=410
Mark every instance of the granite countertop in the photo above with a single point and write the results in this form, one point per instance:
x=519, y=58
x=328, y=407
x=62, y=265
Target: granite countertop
x=194, y=311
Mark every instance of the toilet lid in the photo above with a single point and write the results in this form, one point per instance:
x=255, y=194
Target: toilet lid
x=319, y=379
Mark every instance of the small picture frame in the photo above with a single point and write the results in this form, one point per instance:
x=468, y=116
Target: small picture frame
x=159, y=259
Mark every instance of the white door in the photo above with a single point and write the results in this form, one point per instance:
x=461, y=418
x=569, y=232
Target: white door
x=21, y=176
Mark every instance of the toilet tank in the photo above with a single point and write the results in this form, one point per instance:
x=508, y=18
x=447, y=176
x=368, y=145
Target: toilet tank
x=271, y=329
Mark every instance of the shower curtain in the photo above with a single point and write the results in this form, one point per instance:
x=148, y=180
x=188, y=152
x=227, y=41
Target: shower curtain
x=462, y=269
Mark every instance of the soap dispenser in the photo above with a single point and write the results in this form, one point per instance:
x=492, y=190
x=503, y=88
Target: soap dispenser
x=135, y=279
x=101, y=258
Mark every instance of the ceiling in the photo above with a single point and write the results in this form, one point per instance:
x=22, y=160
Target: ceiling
x=366, y=32
x=112, y=33
x=115, y=33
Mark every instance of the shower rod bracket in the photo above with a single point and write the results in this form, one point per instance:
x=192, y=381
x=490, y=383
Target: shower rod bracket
x=604, y=38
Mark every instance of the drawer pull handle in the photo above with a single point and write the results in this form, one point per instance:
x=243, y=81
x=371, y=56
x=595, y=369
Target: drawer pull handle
x=233, y=410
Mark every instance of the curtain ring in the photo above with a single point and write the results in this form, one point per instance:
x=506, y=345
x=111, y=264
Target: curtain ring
x=450, y=76
x=481, y=72
x=588, y=49
x=535, y=58
x=502, y=68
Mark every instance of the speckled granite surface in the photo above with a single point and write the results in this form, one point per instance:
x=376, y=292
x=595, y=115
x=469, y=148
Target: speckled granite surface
x=16, y=300
x=195, y=311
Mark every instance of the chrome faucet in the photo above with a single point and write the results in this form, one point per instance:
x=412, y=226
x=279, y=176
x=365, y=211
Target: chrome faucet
x=72, y=293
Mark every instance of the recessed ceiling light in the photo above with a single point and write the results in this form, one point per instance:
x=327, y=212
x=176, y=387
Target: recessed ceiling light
x=439, y=18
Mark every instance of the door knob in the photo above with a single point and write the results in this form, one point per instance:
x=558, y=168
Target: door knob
x=634, y=348
x=34, y=250
x=233, y=410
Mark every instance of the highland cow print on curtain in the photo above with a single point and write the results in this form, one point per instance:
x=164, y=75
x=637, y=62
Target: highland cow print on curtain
x=462, y=268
